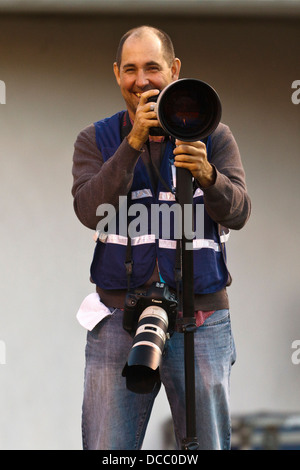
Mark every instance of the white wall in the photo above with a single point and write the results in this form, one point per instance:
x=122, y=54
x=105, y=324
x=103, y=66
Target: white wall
x=58, y=76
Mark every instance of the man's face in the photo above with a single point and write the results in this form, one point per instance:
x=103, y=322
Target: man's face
x=143, y=67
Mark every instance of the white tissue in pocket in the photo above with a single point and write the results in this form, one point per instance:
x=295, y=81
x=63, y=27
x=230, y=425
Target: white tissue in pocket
x=92, y=311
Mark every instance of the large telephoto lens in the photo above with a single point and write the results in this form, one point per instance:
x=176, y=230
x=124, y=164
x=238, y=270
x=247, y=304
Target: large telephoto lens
x=189, y=109
x=145, y=355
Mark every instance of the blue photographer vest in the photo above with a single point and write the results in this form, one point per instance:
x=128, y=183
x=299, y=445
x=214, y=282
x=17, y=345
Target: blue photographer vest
x=157, y=242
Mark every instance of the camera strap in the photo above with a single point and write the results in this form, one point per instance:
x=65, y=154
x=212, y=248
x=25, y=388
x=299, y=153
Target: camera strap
x=178, y=273
x=177, y=267
x=128, y=258
x=128, y=261
x=125, y=128
x=156, y=170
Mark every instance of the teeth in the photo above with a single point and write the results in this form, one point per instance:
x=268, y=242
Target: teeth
x=138, y=94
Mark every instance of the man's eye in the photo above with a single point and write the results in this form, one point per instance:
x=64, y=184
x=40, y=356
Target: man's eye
x=129, y=70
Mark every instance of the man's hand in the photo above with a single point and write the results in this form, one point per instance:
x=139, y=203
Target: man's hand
x=193, y=156
x=145, y=117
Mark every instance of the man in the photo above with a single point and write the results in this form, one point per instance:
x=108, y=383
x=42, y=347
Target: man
x=116, y=157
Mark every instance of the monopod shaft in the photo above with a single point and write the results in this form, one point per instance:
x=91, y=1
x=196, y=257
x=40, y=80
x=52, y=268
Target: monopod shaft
x=184, y=190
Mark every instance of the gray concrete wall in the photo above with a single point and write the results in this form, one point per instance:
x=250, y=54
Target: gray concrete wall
x=58, y=77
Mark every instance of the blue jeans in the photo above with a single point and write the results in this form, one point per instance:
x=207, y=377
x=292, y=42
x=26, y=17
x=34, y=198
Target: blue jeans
x=115, y=418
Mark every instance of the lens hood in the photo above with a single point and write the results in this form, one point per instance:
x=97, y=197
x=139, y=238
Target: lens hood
x=189, y=109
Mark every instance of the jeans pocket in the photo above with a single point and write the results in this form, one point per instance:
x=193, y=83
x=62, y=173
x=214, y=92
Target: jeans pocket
x=217, y=327
x=219, y=316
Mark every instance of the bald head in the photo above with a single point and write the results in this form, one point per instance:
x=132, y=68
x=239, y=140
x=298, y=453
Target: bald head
x=141, y=31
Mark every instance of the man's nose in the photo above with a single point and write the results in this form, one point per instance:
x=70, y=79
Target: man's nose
x=141, y=79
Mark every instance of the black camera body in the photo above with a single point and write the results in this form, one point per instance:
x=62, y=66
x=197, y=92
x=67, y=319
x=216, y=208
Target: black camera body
x=157, y=295
x=156, y=131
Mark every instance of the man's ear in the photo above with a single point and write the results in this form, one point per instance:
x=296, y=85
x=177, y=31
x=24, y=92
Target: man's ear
x=175, y=68
x=117, y=72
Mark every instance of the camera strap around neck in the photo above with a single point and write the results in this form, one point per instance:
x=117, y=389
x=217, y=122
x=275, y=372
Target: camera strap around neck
x=125, y=129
